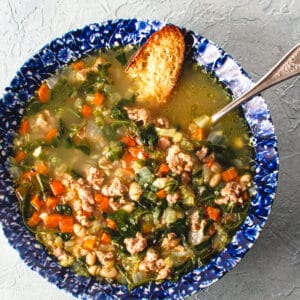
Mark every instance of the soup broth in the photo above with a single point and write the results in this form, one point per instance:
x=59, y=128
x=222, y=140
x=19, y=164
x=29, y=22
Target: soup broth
x=126, y=192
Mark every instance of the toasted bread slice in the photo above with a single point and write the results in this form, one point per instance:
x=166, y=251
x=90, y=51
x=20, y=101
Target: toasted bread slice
x=156, y=66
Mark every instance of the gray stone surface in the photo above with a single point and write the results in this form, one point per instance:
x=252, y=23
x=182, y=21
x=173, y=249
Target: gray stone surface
x=257, y=33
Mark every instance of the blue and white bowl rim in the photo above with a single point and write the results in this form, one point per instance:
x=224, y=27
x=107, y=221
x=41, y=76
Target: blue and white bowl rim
x=115, y=33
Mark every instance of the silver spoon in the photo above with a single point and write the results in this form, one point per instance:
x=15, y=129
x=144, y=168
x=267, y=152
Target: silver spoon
x=286, y=68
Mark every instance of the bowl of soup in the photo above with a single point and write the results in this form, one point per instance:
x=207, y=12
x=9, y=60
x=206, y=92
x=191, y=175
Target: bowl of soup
x=106, y=196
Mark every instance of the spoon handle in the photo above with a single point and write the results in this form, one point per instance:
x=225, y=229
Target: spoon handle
x=287, y=67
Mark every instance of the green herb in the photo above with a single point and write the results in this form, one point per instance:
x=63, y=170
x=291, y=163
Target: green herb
x=203, y=250
x=186, y=146
x=103, y=70
x=182, y=269
x=79, y=267
x=63, y=209
x=149, y=195
x=124, y=101
x=41, y=184
x=197, y=182
x=152, y=164
x=172, y=185
x=74, y=113
x=99, y=117
x=124, y=274
x=122, y=58
x=33, y=107
x=114, y=151
x=127, y=225
x=75, y=174
x=149, y=136
x=84, y=145
x=61, y=91
x=65, y=236
x=180, y=227
x=24, y=195
x=93, y=78
x=118, y=112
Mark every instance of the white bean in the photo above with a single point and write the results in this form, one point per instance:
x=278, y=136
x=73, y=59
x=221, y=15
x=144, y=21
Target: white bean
x=77, y=205
x=135, y=191
x=109, y=272
x=91, y=258
x=124, y=174
x=207, y=173
x=216, y=167
x=129, y=207
x=94, y=270
x=79, y=230
x=215, y=180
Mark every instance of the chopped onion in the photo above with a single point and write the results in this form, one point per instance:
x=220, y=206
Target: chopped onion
x=216, y=137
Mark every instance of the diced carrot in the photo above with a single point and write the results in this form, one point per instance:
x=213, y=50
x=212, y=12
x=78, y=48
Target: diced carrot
x=41, y=168
x=163, y=169
x=134, y=151
x=51, y=202
x=52, y=221
x=102, y=202
x=147, y=227
x=66, y=224
x=89, y=244
x=86, y=111
x=34, y=219
x=198, y=134
x=57, y=187
x=20, y=156
x=51, y=134
x=105, y=238
x=229, y=174
x=128, y=158
x=213, y=213
x=161, y=194
x=86, y=213
x=98, y=99
x=78, y=65
x=27, y=175
x=111, y=224
x=44, y=93
x=128, y=141
x=37, y=203
x=211, y=161
x=24, y=127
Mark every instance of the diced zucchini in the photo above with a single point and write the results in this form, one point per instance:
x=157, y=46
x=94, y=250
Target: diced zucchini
x=220, y=239
x=171, y=215
x=188, y=195
x=144, y=176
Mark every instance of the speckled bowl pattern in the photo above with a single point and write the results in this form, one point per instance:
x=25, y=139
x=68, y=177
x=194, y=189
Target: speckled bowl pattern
x=76, y=44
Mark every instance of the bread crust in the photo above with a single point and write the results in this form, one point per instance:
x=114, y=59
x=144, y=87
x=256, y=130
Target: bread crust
x=157, y=64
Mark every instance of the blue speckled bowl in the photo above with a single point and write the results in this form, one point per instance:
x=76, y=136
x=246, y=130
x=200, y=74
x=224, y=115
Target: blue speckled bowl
x=76, y=44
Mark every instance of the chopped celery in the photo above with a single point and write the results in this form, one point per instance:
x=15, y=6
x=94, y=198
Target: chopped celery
x=202, y=121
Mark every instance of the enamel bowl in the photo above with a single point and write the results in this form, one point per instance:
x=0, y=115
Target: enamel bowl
x=78, y=43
